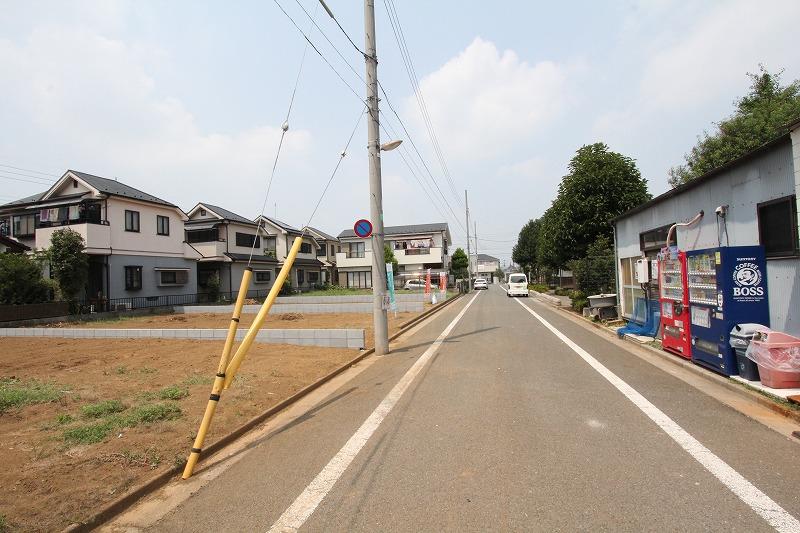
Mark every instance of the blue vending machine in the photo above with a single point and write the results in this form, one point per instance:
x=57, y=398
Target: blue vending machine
x=727, y=286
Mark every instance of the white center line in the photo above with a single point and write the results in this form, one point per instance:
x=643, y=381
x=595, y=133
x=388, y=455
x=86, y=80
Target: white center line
x=762, y=504
x=305, y=504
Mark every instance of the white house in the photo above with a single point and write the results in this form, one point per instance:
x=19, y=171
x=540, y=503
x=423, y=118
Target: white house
x=416, y=247
x=307, y=268
x=484, y=266
x=326, y=253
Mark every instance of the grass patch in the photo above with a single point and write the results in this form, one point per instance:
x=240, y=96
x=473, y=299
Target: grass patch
x=198, y=379
x=336, y=291
x=147, y=414
x=88, y=434
x=3, y=524
x=121, y=370
x=102, y=409
x=15, y=393
x=142, y=415
x=64, y=419
x=148, y=370
x=173, y=392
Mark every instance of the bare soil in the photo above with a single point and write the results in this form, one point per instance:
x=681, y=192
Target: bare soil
x=49, y=483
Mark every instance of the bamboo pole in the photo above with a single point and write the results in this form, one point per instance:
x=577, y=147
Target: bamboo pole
x=216, y=388
x=250, y=336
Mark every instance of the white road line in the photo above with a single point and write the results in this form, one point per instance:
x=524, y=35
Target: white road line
x=305, y=504
x=762, y=504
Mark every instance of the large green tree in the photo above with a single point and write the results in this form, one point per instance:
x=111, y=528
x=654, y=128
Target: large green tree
x=600, y=185
x=525, y=250
x=459, y=264
x=760, y=116
x=21, y=280
x=68, y=263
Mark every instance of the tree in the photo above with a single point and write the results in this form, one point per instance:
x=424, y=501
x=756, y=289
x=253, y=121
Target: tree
x=600, y=185
x=388, y=257
x=525, y=251
x=594, y=273
x=760, y=116
x=69, y=263
x=459, y=264
x=21, y=280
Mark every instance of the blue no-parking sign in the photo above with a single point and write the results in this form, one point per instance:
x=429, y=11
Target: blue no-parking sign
x=363, y=228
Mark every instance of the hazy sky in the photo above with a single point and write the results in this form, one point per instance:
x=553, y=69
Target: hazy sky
x=185, y=99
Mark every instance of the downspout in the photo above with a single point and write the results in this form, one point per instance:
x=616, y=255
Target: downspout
x=616, y=264
x=696, y=218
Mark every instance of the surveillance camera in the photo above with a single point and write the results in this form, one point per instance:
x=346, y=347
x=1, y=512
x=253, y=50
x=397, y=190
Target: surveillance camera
x=721, y=210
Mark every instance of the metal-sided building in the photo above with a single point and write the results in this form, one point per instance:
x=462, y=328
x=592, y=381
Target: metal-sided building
x=759, y=193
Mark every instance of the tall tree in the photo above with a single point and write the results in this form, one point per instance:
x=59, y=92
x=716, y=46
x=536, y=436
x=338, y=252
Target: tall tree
x=69, y=263
x=600, y=185
x=459, y=263
x=760, y=116
x=524, y=252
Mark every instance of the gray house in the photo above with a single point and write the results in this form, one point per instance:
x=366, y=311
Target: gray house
x=758, y=193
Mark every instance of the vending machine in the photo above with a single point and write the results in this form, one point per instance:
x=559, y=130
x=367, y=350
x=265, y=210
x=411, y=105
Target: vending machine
x=727, y=286
x=674, y=297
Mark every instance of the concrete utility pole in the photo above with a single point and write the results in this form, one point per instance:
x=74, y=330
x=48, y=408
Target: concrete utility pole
x=477, y=265
x=380, y=323
x=469, y=256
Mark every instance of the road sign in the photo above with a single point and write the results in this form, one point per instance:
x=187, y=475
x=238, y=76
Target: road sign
x=363, y=228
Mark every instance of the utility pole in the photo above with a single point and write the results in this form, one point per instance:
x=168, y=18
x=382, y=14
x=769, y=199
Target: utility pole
x=477, y=265
x=380, y=323
x=469, y=256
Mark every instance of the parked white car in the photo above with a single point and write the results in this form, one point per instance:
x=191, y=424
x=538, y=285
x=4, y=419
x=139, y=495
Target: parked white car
x=480, y=284
x=414, y=285
x=517, y=285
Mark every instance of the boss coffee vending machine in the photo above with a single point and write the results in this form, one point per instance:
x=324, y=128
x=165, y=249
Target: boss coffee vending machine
x=727, y=286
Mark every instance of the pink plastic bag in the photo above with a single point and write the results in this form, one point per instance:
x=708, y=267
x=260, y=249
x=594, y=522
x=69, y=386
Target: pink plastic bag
x=775, y=350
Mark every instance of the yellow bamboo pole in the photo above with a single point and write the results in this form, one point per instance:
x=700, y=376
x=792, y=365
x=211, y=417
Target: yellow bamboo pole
x=250, y=336
x=216, y=388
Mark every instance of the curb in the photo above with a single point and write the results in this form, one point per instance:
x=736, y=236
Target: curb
x=732, y=385
x=122, y=503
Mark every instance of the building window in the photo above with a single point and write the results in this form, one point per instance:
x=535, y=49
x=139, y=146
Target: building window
x=131, y=220
x=360, y=280
x=305, y=248
x=247, y=240
x=133, y=278
x=301, y=277
x=313, y=277
x=321, y=251
x=202, y=235
x=356, y=250
x=162, y=225
x=202, y=212
x=270, y=246
x=263, y=276
x=173, y=277
x=74, y=184
x=333, y=250
x=654, y=240
x=25, y=226
x=777, y=227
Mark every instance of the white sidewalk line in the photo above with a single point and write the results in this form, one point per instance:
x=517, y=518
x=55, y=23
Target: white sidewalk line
x=762, y=504
x=305, y=504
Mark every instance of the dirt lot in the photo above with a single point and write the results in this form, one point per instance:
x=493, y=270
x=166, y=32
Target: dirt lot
x=83, y=420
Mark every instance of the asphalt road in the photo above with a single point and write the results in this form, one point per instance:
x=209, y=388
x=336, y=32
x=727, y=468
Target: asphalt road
x=505, y=428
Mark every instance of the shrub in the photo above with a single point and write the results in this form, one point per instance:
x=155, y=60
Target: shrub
x=21, y=280
x=212, y=287
x=539, y=287
x=286, y=289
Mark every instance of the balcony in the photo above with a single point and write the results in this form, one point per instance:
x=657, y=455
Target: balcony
x=415, y=256
x=353, y=259
x=96, y=237
x=210, y=249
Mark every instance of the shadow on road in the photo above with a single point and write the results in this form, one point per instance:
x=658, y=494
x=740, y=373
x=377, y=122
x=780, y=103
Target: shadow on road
x=450, y=338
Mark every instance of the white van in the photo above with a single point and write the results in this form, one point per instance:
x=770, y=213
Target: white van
x=517, y=285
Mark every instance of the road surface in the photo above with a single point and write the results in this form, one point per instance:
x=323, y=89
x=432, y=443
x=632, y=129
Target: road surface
x=513, y=422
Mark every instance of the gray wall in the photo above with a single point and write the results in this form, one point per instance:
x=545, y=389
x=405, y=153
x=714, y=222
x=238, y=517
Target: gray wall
x=768, y=176
x=150, y=287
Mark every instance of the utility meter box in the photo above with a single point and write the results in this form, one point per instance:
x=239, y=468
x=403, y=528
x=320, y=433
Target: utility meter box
x=642, y=271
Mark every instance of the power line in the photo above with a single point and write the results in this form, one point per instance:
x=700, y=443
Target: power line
x=24, y=180
x=330, y=14
x=31, y=170
x=43, y=180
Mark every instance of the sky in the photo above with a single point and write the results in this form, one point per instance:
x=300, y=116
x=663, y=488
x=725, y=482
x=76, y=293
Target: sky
x=185, y=100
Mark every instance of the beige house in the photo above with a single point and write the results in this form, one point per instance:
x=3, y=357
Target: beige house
x=307, y=268
x=326, y=253
x=484, y=266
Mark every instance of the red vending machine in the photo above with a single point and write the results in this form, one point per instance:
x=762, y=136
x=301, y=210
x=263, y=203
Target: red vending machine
x=674, y=296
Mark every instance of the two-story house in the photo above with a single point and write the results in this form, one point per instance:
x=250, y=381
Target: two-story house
x=134, y=240
x=307, y=268
x=484, y=266
x=326, y=253
x=227, y=243
x=417, y=248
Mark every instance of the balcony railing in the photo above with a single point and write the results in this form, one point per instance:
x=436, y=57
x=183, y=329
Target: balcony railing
x=82, y=220
x=355, y=255
x=417, y=251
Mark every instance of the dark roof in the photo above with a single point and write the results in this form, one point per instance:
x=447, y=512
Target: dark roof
x=307, y=262
x=246, y=257
x=14, y=245
x=27, y=200
x=708, y=176
x=402, y=230
x=484, y=257
x=228, y=215
x=116, y=188
x=322, y=233
x=283, y=225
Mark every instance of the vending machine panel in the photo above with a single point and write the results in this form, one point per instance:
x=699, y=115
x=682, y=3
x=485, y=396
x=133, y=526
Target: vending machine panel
x=674, y=297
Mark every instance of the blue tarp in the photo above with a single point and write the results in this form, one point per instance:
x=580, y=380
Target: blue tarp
x=646, y=319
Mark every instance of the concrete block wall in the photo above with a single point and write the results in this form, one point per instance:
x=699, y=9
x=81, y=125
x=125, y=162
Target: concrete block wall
x=329, y=338
x=309, y=308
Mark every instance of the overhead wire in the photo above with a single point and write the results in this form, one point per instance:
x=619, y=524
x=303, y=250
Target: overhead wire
x=31, y=170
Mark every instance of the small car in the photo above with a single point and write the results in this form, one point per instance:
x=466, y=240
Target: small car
x=480, y=284
x=414, y=285
x=517, y=285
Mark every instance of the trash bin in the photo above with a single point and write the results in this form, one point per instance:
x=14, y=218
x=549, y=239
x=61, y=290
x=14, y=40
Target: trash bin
x=778, y=357
x=741, y=335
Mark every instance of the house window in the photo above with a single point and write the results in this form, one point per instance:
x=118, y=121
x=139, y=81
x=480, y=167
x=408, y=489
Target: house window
x=321, y=251
x=333, y=250
x=202, y=212
x=247, y=240
x=777, y=227
x=654, y=240
x=305, y=248
x=131, y=220
x=202, y=235
x=361, y=280
x=74, y=184
x=313, y=277
x=25, y=226
x=162, y=225
x=263, y=276
x=356, y=249
x=270, y=246
x=301, y=277
x=133, y=278
x=173, y=277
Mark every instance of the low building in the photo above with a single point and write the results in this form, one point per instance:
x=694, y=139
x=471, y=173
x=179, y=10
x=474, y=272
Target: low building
x=759, y=195
x=484, y=266
x=417, y=248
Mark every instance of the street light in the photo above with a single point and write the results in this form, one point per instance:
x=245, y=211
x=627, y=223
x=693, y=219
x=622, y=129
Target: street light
x=391, y=145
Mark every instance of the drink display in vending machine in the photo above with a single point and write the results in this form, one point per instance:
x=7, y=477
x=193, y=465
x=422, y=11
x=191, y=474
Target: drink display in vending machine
x=727, y=286
x=674, y=298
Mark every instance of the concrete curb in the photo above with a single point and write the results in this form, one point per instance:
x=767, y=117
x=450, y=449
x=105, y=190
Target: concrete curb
x=125, y=501
x=309, y=308
x=741, y=389
x=329, y=338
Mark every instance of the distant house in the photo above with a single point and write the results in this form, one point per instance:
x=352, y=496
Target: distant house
x=326, y=253
x=11, y=246
x=134, y=239
x=416, y=247
x=307, y=268
x=484, y=266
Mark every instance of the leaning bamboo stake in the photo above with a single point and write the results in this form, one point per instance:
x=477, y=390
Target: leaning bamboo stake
x=216, y=388
x=250, y=336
